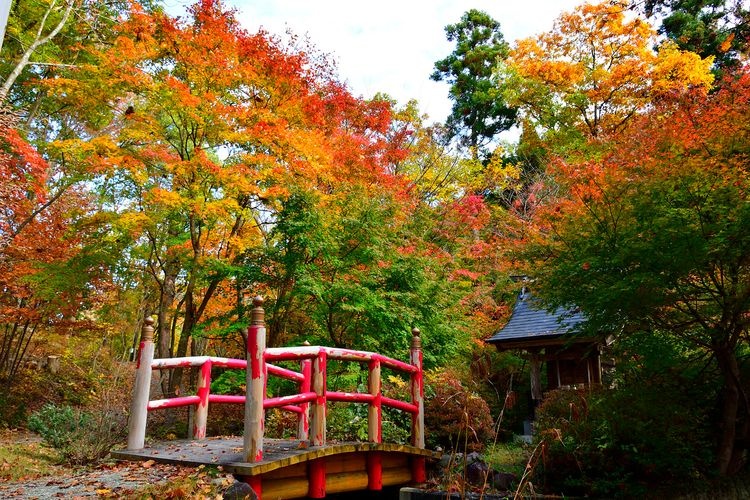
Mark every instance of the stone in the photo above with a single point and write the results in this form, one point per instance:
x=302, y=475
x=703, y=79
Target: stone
x=240, y=491
x=476, y=472
x=503, y=480
x=445, y=460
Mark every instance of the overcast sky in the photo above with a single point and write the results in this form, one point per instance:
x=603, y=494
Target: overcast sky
x=391, y=46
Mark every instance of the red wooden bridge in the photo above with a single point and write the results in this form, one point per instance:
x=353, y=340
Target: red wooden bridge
x=306, y=466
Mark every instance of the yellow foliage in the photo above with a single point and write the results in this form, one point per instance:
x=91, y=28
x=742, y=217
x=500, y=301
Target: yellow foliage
x=677, y=69
x=166, y=198
x=133, y=222
x=595, y=70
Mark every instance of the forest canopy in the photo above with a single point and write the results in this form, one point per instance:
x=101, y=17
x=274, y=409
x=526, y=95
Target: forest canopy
x=176, y=166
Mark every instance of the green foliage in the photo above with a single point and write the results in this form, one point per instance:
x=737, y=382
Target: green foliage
x=228, y=382
x=479, y=112
x=624, y=442
x=340, y=272
x=719, y=28
x=655, y=239
x=56, y=424
x=79, y=437
x=508, y=457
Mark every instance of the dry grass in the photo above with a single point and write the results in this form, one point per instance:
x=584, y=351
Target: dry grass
x=23, y=456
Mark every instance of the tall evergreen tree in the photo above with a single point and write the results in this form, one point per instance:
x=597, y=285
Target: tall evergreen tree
x=719, y=28
x=479, y=112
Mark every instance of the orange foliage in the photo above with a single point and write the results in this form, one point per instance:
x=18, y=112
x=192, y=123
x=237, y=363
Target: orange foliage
x=43, y=283
x=209, y=129
x=597, y=68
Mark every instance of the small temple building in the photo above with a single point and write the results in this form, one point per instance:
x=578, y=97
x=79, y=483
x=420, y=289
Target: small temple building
x=550, y=337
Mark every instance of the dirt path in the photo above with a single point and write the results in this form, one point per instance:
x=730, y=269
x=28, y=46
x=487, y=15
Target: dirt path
x=107, y=480
x=23, y=456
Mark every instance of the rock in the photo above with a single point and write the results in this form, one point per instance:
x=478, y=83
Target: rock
x=240, y=491
x=445, y=460
x=503, y=480
x=473, y=457
x=476, y=472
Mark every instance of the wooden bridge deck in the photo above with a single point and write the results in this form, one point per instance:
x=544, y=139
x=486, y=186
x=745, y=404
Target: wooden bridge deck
x=278, y=453
x=286, y=464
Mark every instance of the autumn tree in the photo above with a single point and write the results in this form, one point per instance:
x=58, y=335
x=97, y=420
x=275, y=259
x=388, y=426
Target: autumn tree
x=49, y=271
x=653, y=238
x=200, y=132
x=54, y=256
x=594, y=71
x=479, y=112
x=716, y=28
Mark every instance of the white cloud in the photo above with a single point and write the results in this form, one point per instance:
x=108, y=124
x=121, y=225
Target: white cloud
x=391, y=46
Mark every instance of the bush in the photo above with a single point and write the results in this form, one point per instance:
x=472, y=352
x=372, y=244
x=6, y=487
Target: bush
x=621, y=442
x=349, y=421
x=79, y=437
x=455, y=415
x=281, y=424
x=57, y=424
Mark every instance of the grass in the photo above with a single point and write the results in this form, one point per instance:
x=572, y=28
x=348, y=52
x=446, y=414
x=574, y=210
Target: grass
x=23, y=456
x=508, y=457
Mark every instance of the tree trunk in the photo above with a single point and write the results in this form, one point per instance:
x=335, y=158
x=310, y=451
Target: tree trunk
x=729, y=458
x=166, y=303
x=182, y=346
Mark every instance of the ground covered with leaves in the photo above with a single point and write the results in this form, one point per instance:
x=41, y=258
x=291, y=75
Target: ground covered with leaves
x=28, y=469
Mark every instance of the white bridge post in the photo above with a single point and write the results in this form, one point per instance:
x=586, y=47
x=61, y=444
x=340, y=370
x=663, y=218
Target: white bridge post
x=142, y=387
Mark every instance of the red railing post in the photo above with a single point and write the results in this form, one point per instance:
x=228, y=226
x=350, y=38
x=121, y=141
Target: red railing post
x=201, y=409
x=417, y=398
x=142, y=387
x=316, y=469
x=255, y=384
x=319, y=386
x=303, y=425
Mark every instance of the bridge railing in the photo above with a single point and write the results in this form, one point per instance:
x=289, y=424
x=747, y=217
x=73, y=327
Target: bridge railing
x=309, y=403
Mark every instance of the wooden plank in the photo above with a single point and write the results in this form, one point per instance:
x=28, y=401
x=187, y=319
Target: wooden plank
x=346, y=462
x=394, y=460
x=394, y=477
x=346, y=481
x=284, y=488
x=297, y=470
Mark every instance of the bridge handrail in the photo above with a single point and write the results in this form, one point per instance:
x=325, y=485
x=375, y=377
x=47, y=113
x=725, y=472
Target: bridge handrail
x=313, y=391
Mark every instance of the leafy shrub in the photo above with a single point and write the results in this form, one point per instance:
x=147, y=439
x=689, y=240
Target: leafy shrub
x=455, y=415
x=226, y=420
x=79, y=437
x=620, y=442
x=229, y=382
x=280, y=424
x=57, y=424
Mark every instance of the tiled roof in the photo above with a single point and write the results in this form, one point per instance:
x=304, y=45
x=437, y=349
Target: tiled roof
x=531, y=321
